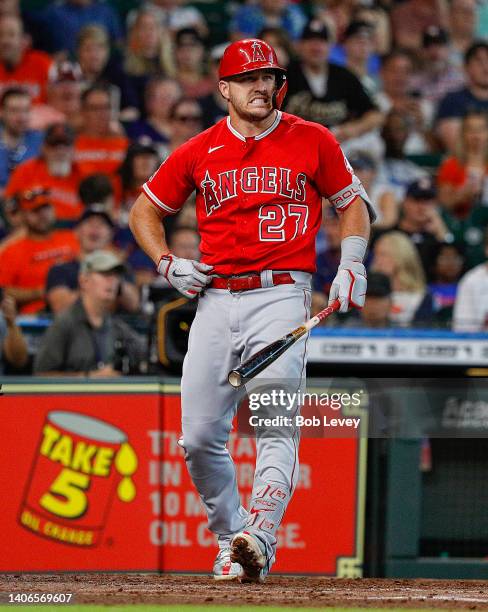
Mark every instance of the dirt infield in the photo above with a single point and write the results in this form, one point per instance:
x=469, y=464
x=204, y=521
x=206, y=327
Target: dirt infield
x=112, y=589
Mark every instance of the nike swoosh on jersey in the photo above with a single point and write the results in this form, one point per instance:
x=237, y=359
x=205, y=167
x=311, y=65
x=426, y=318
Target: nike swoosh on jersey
x=212, y=149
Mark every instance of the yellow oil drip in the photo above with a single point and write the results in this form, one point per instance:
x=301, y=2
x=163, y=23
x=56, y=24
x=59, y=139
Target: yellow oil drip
x=126, y=465
x=126, y=491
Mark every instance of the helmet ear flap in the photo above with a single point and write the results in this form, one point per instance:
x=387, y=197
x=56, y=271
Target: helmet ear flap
x=280, y=93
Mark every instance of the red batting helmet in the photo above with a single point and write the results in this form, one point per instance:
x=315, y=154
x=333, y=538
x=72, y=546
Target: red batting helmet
x=253, y=54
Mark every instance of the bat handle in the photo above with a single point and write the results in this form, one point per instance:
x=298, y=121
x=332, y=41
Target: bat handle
x=323, y=314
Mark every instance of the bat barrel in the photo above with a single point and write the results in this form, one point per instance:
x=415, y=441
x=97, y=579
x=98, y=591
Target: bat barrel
x=261, y=360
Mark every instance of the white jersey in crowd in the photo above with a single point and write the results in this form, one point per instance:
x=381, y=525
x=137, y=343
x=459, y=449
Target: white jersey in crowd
x=471, y=307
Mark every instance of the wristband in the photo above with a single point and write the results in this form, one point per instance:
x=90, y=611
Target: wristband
x=167, y=256
x=353, y=248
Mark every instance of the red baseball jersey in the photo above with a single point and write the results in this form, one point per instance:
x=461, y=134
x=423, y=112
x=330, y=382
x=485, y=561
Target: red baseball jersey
x=259, y=199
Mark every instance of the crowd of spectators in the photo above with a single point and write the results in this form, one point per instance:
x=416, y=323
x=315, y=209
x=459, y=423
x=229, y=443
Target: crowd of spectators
x=95, y=94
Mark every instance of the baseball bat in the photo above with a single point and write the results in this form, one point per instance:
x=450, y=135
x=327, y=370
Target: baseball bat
x=263, y=358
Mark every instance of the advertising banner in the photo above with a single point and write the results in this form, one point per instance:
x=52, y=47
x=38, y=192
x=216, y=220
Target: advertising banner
x=94, y=480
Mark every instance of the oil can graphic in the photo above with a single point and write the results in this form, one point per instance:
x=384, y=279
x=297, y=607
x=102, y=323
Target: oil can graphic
x=81, y=463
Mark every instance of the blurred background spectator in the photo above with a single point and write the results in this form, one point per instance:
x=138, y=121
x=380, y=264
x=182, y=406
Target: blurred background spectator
x=186, y=120
x=421, y=222
x=251, y=18
x=471, y=306
x=463, y=25
x=147, y=53
x=326, y=93
x=18, y=143
x=396, y=169
x=463, y=177
x=397, y=95
x=95, y=231
x=86, y=339
x=395, y=256
x=97, y=189
x=62, y=21
x=140, y=163
x=411, y=17
x=174, y=15
x=357, y=53
x=19, y=64
x=190, y=64
x=474, y=96
x=63, y=102
x=435, y=76
x=97, y=93
x=25, y=261
x=382, y=194
x=160, y=95
x=447, y=269
x=101, y=144
x=213, y=105
x=54, y=169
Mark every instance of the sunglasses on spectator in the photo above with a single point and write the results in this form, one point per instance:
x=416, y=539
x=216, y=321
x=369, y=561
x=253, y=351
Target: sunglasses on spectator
x=188, y=118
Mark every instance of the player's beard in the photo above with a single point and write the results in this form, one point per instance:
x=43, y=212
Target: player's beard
x=247, y=115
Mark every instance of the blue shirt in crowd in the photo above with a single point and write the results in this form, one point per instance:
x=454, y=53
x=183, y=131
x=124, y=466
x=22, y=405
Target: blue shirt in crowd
x=250, y=20
x=29, y=147
x=63, y=20
x=337, y=56
x=458, y=103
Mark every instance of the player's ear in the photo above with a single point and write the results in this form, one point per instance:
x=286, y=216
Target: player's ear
x=224, y=89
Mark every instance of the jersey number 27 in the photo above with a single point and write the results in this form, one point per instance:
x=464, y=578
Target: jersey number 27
x=273, y=226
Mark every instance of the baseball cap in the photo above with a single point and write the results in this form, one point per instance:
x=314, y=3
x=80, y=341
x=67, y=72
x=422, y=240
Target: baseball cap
x=64, y=71
x=96, y=210
x=102, y=261
x=433, y=35
x=315, y=29
x=217, y=52
x=358, y=27
x=379, y=285
x=188, y=36
x=142, y=146
x=34, y=198
x=422, y=189
x=360, y=160
x=59, y=134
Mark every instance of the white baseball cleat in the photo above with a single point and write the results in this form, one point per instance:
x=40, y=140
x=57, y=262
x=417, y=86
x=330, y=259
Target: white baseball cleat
x=247, y=551
x=224, y=568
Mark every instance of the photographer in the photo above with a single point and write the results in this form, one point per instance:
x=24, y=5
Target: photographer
x=86, y=339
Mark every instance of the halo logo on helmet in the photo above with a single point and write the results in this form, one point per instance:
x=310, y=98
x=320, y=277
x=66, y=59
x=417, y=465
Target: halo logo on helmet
x=258, y=55
x=253, y=54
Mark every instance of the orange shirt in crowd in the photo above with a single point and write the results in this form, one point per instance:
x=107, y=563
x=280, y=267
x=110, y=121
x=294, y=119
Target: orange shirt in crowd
x=453, y=173
x=100, y=154
x=31, y=73
x=64, y=189
x=24, y=263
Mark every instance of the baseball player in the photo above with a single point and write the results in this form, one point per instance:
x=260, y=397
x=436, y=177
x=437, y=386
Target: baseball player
x=260, y=176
